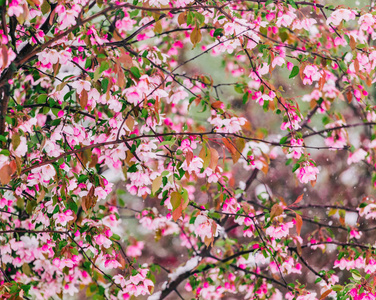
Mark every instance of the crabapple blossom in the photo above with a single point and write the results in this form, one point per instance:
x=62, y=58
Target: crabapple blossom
x=155, y=149
x=205, y=227
x=307, y=172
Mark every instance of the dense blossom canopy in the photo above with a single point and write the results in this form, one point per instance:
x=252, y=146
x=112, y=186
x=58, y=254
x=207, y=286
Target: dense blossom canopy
x=183, y=148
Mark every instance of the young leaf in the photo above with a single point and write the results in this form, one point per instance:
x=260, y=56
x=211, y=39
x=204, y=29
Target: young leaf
x=294, y=72
x=299, y=223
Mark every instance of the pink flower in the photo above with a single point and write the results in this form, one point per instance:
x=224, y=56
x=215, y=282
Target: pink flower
x=125, y=24
x=112, y=263
x=102, y=240
x=357, y=156
x=135, y=250
x=278, y=61
x=204, y=227
x=341, y=14
x=15, y=8
x=63, y=218
x=285, y=20
x=48, y=56
x=119, y=279
x=312, y=74
x=194, y=166
x=280, y=231
x=133, y=95
x=338, y=138
x=307, y=173
x=81, y=85
x=232, y=125
x=366, y=21
x=47, y=172
x=296, y=149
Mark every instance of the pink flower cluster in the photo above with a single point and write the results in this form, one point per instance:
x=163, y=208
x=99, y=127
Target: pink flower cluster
x=306, y=173
x=137, y=284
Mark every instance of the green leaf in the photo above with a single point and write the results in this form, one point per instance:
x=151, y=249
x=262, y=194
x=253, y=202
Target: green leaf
x=245, y=97
x=200, y=18
x=82, y=178
x=104, y=84
x=55, y=111
x=239, y=88
x=283, y=140
x=62, y=244
x=337, y=288
x=364, y=204
x=104, y=66
x=218, y=32
x=69, y=94
x=41, y=99
x=295, y=167
x=74, y=251
x=292, y=3
x=318, y=280
x=284, y=36
x=294, y=72
x=135, y=72
x=73, y=206
x=88, y=63
x=26, y=288
x=115, y=237
x=9, y=120
x=5, y=152
x=132, y=168
x=169, y=143
x=45, y=7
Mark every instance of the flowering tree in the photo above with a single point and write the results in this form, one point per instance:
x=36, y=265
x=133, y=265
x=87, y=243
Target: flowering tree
x=129, y=168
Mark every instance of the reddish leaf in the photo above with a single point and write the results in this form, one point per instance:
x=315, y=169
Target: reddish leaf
x=213, y=159
x=230, y=147
x=325, y=294
x=352, y=42
x=299, y=223
x=5, y=174
x=356, y=65
x=83, y=98
x=300, y=198
x=276, y=211
x=217, y=104
x=182, y=18
x=189, y=157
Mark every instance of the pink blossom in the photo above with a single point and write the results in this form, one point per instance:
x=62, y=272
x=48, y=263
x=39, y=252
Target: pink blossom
x=194, y=166
x=307, y=173
x=102, y=240
x=135, y=250
x=63, y=218
x=341, y=14
x=312, y=74
x=296, y=149
x=357, y=156
x=278, y=61
x=280, y=231
x=81, y=85
x=204, y=227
